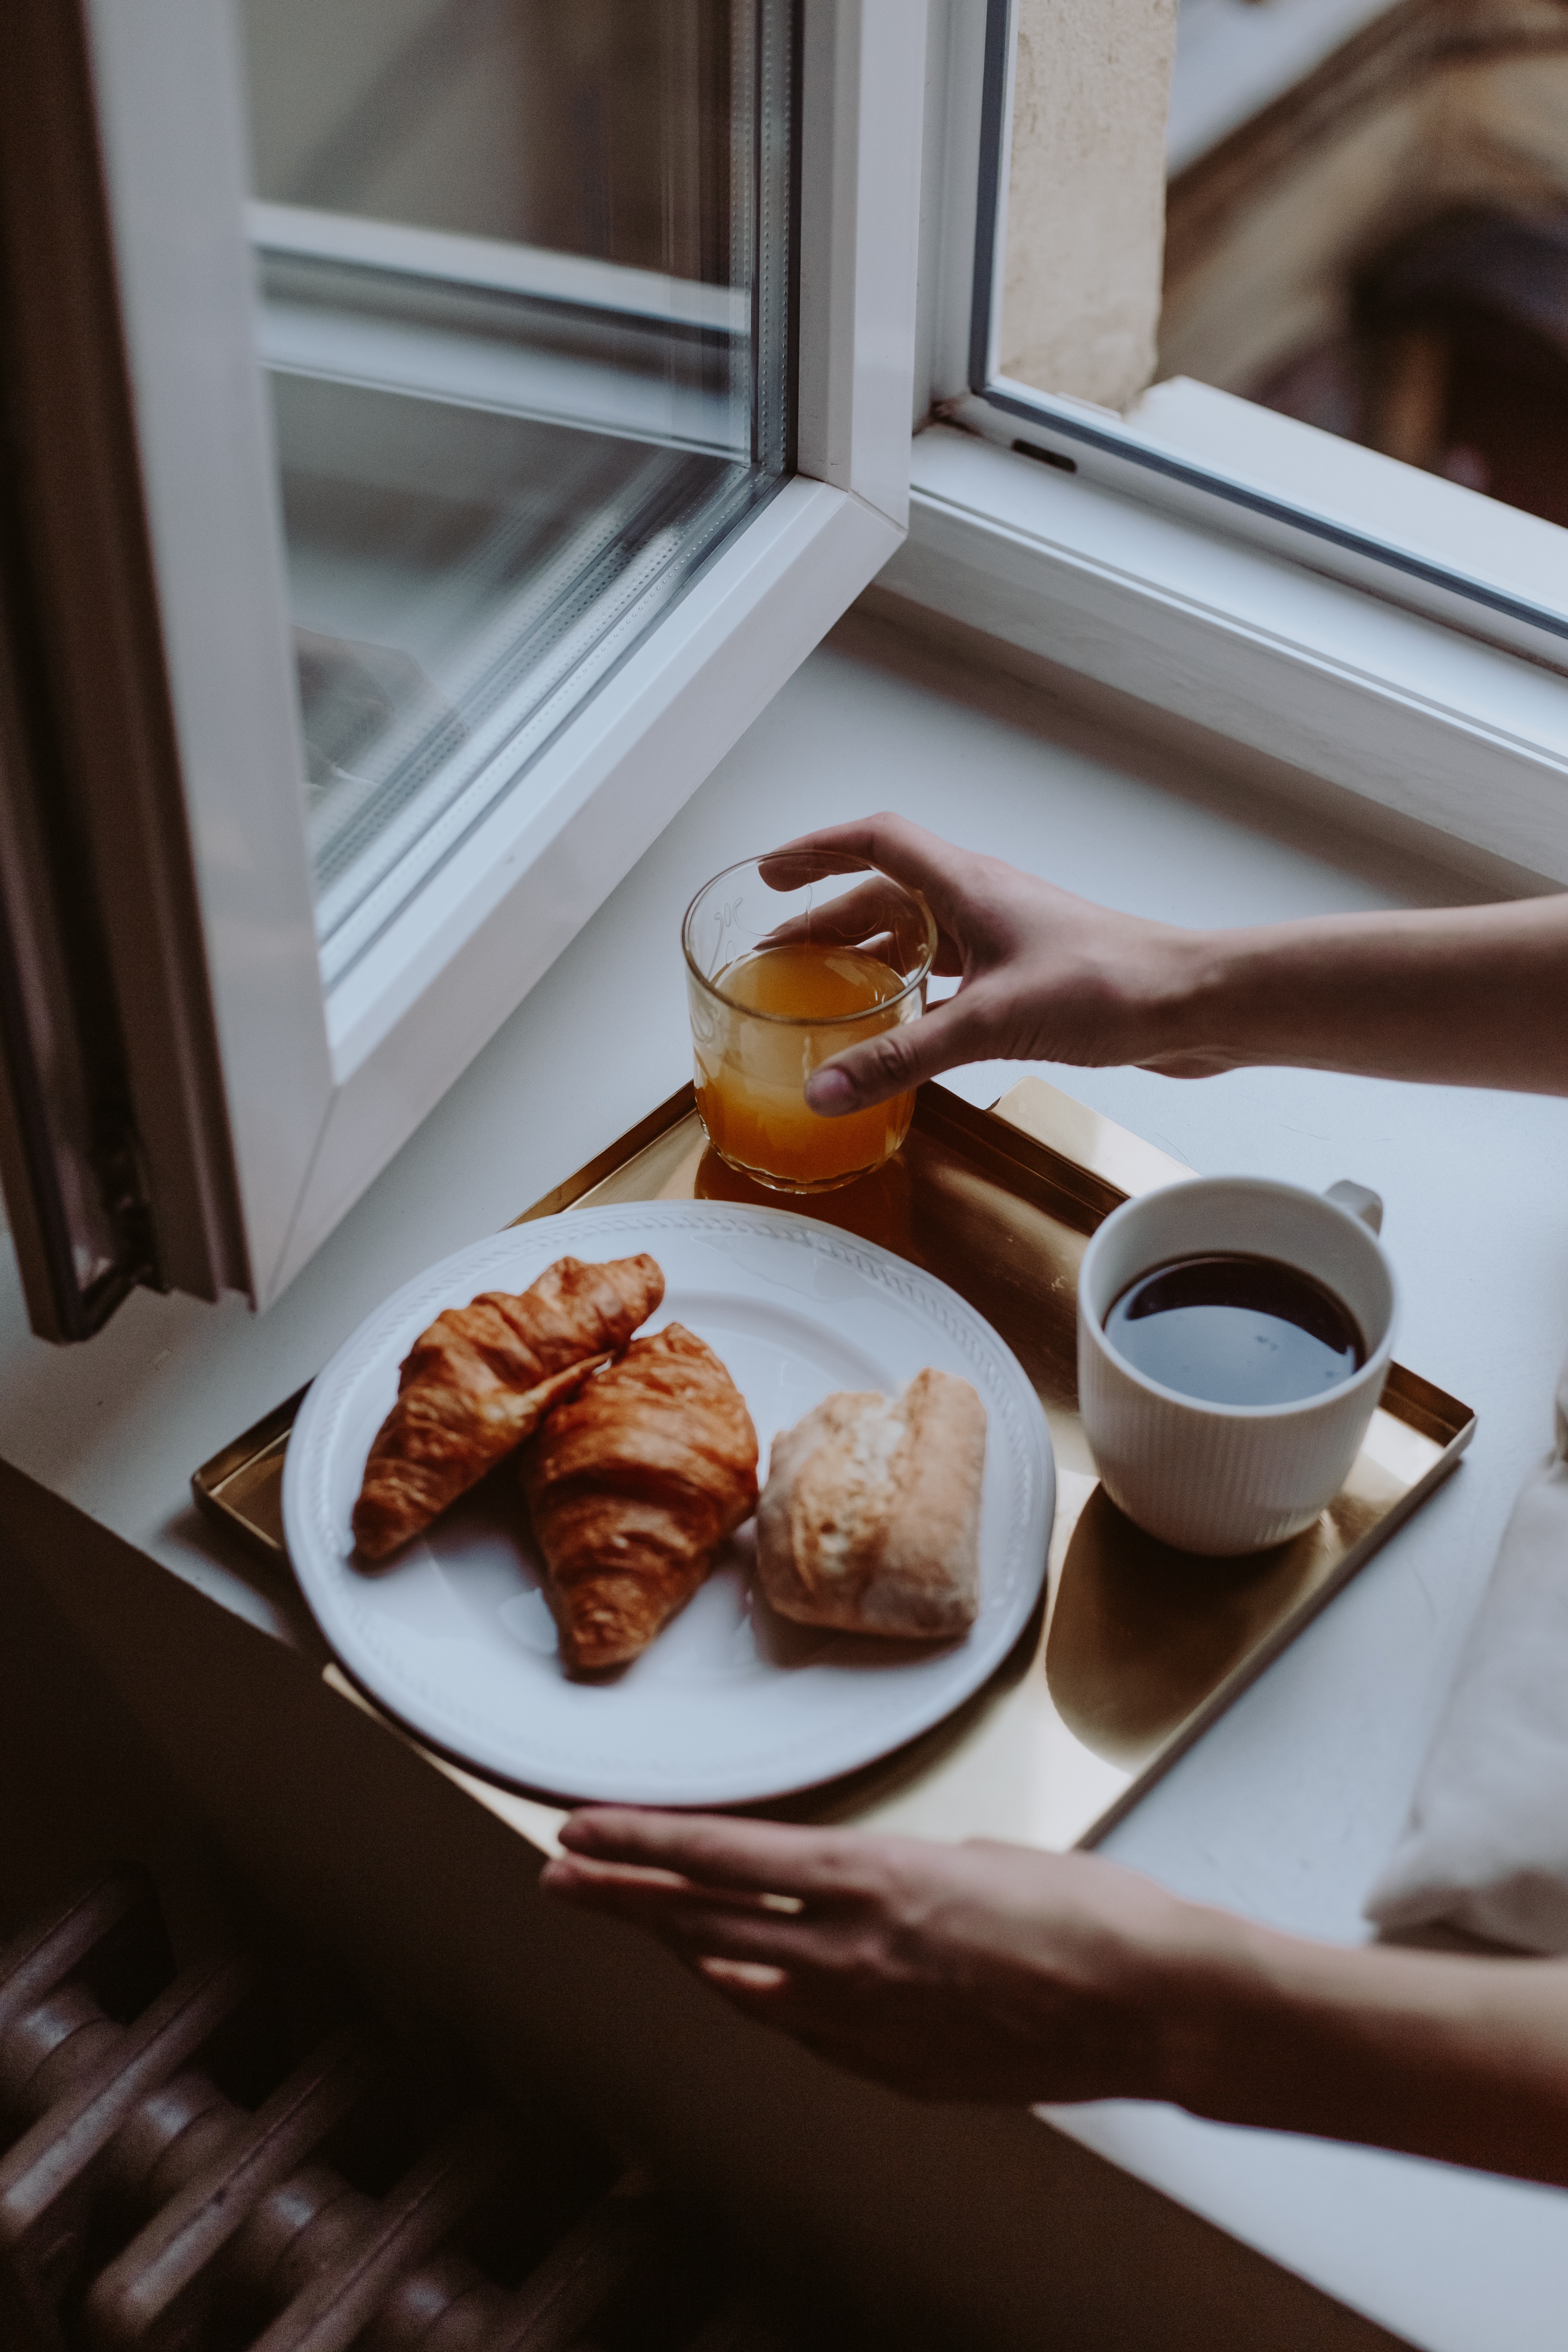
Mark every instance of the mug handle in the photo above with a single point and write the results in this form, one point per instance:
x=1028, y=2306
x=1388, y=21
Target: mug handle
x=1359, y=1200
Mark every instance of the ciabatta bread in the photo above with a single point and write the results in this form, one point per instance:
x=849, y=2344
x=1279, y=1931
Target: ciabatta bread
x=870, y=1518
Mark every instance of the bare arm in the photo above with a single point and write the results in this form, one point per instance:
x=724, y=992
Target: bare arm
x=997, y=1973
x=1460, y=996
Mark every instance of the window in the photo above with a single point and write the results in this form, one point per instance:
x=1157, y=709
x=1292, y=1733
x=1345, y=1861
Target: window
x=1346, y=177
x=446, y=424
x=1341, y=619
x=526, y=315
x=437, y=427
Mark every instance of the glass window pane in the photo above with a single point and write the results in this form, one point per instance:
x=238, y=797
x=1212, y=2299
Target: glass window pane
x=1367, y=227
x=525, y=269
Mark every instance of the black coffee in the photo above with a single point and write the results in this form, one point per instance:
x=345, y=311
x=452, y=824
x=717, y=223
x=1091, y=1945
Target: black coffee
x=1236, y=1330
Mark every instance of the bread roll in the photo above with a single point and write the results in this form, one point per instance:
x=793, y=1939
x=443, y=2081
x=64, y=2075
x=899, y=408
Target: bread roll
x=870, y=1518
x=633, y=1486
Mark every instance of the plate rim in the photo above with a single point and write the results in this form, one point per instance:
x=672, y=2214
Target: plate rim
x=551, y=1236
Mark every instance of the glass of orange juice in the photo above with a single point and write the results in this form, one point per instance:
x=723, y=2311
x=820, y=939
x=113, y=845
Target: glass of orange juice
x=789, y=959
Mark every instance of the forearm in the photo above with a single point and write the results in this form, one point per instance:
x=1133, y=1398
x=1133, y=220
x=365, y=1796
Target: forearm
x=1457, y=2058
x=1001, y=1973
x=1463, y=995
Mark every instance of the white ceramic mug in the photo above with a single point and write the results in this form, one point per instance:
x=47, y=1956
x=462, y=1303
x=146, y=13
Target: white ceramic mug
x=1227, y=1478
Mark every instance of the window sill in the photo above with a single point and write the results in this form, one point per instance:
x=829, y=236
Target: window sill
x=1409, y=538
x=1458, y=736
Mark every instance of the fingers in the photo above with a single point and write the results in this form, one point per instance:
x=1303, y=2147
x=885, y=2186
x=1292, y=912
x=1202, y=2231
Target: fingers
x=870, y=911
x=901, y=1058
x=774, y=1996
x=762, y=1929
x=798, y=863
x=921, y=860
x=745, y=1952
x=790, y=2000
x=814, y=2011
x=761, y=1857
x=1190, y=1065
x=743, y=1979
x=853, y=918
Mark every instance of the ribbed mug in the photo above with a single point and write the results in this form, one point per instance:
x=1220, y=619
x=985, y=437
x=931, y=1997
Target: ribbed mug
x=1229, y=1478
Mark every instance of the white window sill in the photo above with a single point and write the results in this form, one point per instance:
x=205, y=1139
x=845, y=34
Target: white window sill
x=1231, y=466
x=1288, y=1806
x=1457, y=735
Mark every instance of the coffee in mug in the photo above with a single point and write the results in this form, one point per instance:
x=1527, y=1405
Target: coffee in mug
x=1234, y=1328
x=1233, y=1337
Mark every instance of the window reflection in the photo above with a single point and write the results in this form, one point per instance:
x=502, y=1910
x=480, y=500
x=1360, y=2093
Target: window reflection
x=1367, y=226
x=525, y=302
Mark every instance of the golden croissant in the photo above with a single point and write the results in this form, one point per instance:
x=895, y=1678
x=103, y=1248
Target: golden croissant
x=482, y=1378
x=634, y=1485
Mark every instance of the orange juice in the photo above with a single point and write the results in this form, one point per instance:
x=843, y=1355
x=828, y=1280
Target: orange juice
x=780, y=1013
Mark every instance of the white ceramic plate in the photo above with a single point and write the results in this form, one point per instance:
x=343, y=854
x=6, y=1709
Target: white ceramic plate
x=730, y=1705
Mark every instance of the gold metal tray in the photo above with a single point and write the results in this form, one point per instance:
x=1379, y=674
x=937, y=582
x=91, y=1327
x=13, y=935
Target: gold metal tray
x=1134, y=1648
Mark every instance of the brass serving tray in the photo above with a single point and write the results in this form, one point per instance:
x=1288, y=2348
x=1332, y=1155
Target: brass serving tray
x=1134, y=1648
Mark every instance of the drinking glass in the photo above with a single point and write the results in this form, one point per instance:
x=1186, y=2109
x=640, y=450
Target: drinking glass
x=791, y=958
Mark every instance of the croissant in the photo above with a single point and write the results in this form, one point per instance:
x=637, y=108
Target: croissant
x=634, y=1485
x=482, y=1378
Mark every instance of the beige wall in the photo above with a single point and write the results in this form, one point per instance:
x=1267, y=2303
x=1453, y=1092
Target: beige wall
x=1086, y=197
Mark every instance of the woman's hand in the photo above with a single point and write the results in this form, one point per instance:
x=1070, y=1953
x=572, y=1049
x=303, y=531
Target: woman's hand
x=1044, y=976
x=998, y=1973
x=1471, y=996
x=981, y=1971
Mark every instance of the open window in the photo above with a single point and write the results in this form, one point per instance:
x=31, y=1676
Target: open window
x=1338, y=619
x=1362, y=313
x=436, y=429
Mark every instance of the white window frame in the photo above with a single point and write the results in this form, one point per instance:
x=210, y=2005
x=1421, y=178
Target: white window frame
x=322, y=1089
x=1370, y=624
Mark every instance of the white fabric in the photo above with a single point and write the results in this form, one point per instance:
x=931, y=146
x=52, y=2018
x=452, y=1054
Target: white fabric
x=1485, y=1845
